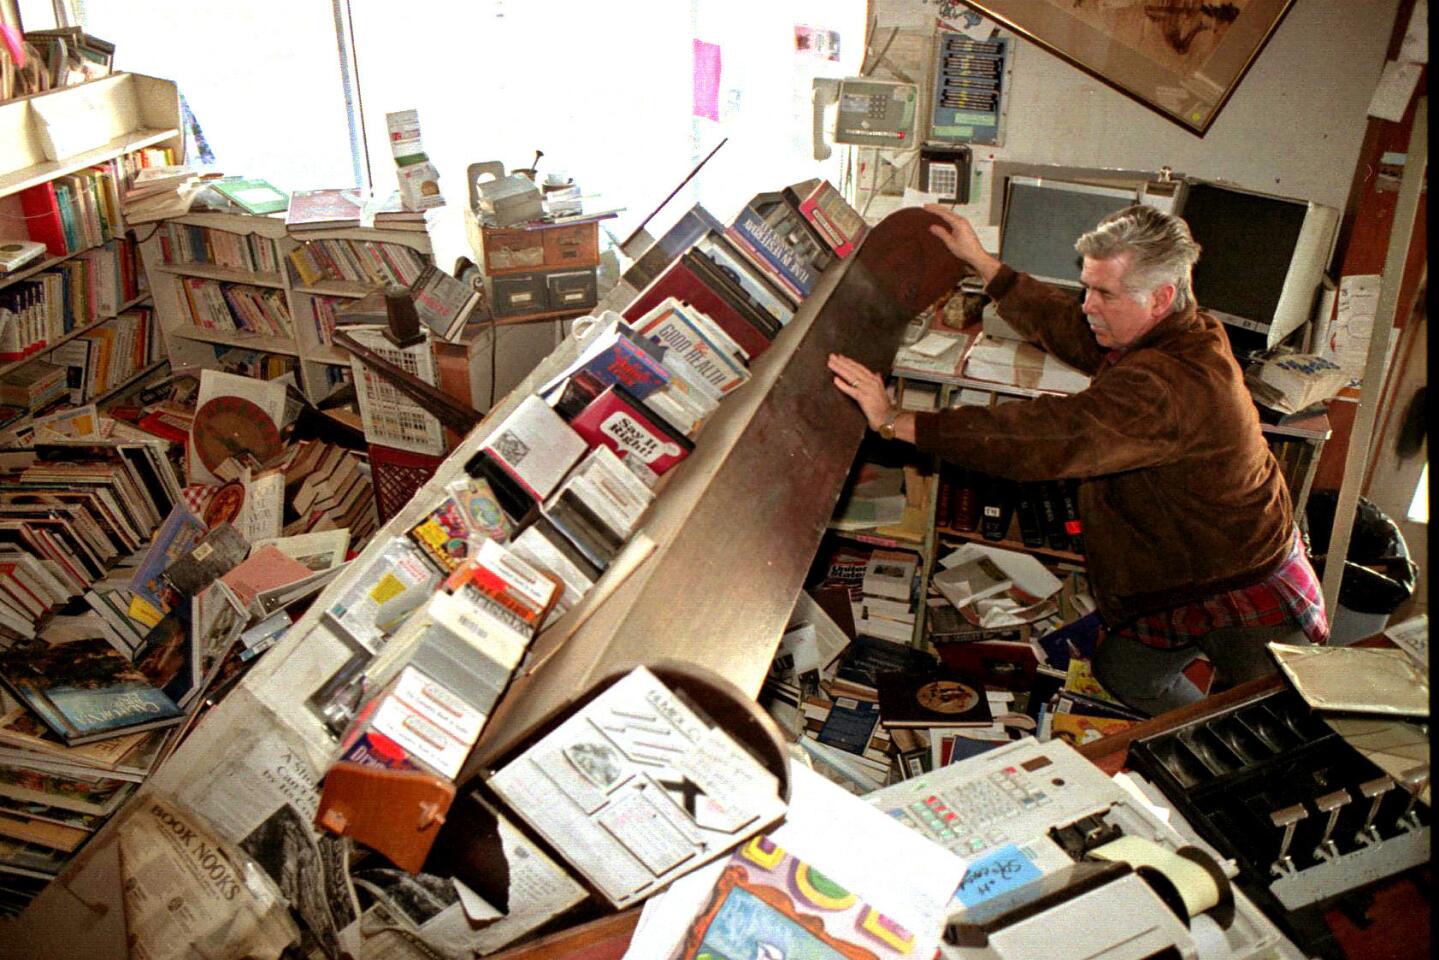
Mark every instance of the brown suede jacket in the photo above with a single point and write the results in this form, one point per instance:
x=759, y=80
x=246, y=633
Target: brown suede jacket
x=1180, y=497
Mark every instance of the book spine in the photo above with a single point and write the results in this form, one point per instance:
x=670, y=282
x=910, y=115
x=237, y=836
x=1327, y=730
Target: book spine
x=1051, y=505
x=965, y=504
x=1031, y=523
x=752, y=250
x=42, y=218
x=998, y=509
x=1073, y=527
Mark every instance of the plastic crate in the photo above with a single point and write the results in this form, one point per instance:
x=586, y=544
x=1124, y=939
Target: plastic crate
x=397, y=475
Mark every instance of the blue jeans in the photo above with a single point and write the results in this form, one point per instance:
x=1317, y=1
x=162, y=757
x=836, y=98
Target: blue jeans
x=1151, y=680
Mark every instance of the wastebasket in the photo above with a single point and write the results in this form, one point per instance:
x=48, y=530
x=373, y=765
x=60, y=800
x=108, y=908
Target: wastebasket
x=1378, y=574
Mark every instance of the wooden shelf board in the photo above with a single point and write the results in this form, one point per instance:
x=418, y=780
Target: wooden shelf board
x=131, y=379
x=16, y=364
x=245, y=341
x=335, y=288
x=42, y=172
x=208, y=271
x=330, y=354
x=977, y=537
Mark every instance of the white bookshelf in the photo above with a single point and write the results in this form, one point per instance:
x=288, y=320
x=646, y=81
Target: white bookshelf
x=192, y=345
x=59, y=132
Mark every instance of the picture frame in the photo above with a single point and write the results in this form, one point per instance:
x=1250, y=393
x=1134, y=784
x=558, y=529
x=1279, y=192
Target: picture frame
x=1182, y=61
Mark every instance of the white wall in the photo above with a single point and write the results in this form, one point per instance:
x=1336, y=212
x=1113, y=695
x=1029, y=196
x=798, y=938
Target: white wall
x=1292, y=127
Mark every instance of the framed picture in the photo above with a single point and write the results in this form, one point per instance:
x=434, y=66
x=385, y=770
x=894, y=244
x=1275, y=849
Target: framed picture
x=1182, y=58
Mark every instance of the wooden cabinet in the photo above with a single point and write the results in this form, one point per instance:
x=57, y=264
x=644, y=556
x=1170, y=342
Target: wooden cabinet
x=537, y=271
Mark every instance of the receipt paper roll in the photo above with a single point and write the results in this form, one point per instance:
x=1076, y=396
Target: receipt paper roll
x=1197, y=887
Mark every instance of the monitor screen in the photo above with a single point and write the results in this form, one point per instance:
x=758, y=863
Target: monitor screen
x=1248, y=244
x=1043, y=219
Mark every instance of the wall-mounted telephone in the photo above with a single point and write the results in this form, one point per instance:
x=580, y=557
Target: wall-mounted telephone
x=945, y=171
x=872, y=113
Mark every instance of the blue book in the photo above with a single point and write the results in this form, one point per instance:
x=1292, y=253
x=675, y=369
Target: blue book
x=757, y=238
x=64, y=200
x=85, y=690
x=180, y=531
x=616, y=354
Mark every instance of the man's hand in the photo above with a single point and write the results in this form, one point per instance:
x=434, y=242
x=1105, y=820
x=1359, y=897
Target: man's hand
x=864, y=386
x=959, y=236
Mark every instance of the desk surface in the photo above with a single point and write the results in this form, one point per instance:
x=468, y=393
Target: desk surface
x=1309, y=428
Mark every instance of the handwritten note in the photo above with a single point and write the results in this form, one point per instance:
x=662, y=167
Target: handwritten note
x=1001, y=871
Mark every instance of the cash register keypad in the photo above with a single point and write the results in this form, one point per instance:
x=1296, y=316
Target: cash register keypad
x=970, y=816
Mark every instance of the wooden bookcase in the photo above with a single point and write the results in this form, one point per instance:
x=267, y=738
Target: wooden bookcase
x=194, y=346
x=60, y=132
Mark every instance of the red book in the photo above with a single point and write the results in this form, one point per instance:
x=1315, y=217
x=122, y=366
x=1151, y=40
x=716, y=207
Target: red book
x=678, y=281
x=625, y=425
x=42, y=217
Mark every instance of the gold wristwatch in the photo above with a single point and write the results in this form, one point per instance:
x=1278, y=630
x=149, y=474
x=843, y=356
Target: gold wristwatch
x=886, y=429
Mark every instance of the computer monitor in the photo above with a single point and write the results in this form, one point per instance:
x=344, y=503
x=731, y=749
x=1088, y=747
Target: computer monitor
x=1043, y=218
x=1263, y=257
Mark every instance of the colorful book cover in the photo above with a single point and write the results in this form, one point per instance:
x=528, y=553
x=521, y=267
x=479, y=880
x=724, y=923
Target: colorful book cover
x=619, y=421
x=443, y=535
x=85, y=690
x=759, y=237
x=770, y=904
x=180, y=531
x=1078, y=728
x=834, y=219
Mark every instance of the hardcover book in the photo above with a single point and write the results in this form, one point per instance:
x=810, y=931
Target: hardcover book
x=323, y=209
x=938, y=698
x=84, y=690
x=617, y=419
x=730, y=287
x=617, y=354
x=680, y=282
x=253, y=195
x=831, y=216
x=696, y=222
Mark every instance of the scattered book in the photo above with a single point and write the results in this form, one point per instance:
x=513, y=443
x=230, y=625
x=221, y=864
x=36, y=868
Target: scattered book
x=938, y=698
x=253, y=195
x=85, y=690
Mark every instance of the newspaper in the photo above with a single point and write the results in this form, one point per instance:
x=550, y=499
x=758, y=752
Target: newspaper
x=635, y=789
x=190, y=894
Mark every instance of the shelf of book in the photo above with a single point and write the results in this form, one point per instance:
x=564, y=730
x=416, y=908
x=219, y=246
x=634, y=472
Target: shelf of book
x=247, y=341
x=224, y=274
x=66, y=130
x=185, y=340
x=17, y=364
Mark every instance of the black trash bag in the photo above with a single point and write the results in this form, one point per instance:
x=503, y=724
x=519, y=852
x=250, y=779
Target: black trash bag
x=1378, y=574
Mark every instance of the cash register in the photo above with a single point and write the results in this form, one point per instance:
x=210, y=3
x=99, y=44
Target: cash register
x=1064, y=861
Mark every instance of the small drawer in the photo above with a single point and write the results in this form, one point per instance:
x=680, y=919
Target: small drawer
x=572, y=289
x=513, y=250
x=573, y=246
x=519, y=294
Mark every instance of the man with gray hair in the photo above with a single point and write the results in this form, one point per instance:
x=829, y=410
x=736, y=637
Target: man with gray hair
x=1189, y=535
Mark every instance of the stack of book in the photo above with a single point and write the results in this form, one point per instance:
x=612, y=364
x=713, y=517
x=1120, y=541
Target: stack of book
x=886, y=605
x=328, y=487
x=161, y=191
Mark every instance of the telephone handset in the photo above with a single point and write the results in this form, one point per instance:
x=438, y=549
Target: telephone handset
x=872, y=113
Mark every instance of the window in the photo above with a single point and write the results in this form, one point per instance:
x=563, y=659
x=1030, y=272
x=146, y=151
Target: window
x=261, y=77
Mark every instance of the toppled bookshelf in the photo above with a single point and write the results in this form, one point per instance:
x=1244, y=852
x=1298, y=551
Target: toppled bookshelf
x=709, y=579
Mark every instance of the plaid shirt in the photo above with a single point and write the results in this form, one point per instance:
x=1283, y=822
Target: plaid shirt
x=1290, y=594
